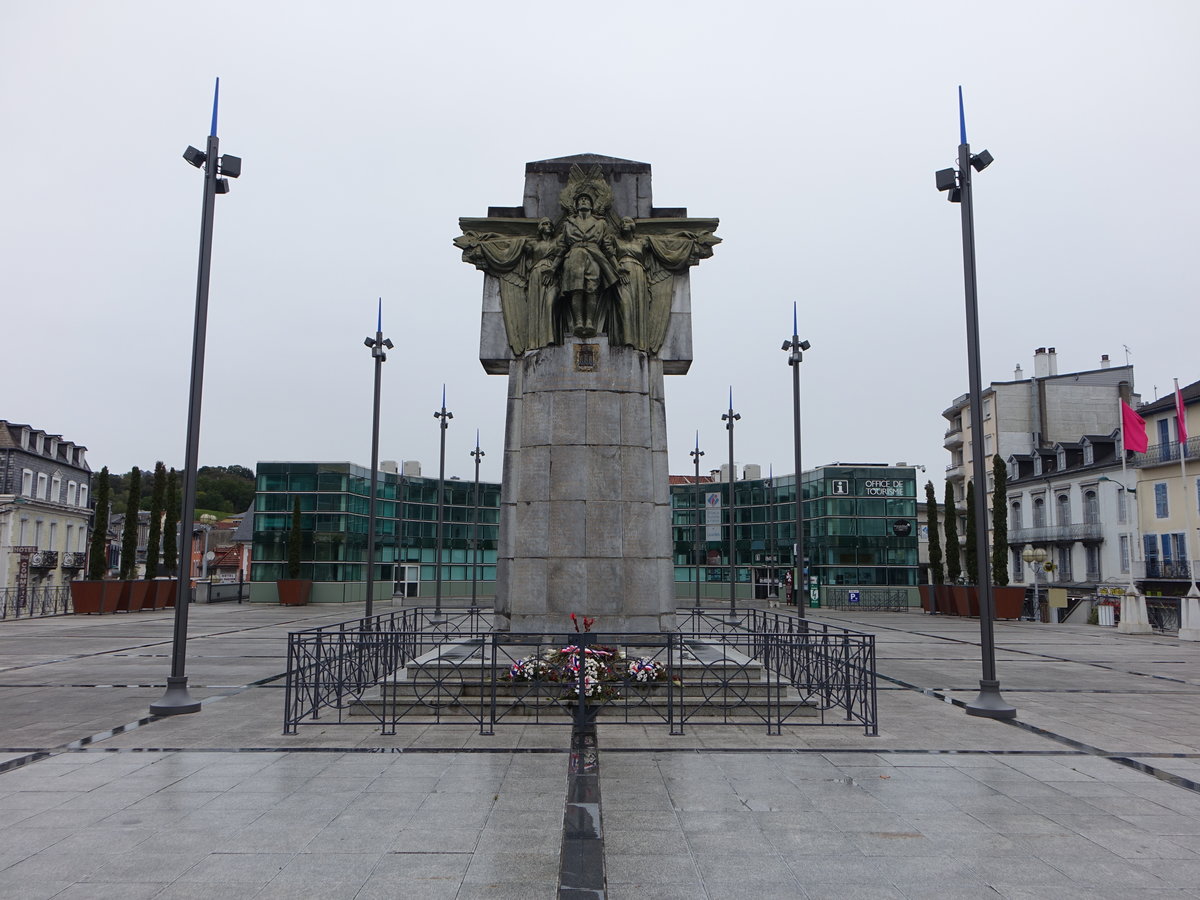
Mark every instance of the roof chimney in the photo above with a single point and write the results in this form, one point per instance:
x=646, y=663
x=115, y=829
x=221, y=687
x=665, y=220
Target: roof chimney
x=1018, y=375
x=1053, y=361
x=1104, y=362
x=1041, y=363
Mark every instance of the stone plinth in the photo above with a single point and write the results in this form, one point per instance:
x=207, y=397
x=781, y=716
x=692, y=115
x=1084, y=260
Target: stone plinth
x=585, y=513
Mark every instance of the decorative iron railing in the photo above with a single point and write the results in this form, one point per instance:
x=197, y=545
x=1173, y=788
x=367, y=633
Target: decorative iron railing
x=410, y=667
x=1163, y=613
x=30, y=602
x=1161, y=454
x=1157, y=568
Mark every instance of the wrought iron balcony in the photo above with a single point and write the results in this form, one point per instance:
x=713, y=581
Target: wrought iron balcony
x=1056, y=534
x=1157, y=568
x=1161, y=454
x=73, y=560
x=44, y=559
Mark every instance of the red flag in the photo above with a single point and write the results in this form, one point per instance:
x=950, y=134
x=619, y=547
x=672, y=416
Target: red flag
x=1133, y=428
x=1181, y=414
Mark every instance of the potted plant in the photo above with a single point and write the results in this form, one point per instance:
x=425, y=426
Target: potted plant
x=294, y=590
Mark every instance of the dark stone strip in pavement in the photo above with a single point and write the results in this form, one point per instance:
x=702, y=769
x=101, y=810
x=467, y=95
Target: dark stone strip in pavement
x=1160, y=774
x=581, y=860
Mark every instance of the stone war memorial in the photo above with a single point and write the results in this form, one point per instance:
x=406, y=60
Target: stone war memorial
x=586, y=306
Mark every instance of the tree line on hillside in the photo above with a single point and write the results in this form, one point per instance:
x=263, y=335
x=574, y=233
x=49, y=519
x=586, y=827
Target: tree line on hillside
x=227, y=489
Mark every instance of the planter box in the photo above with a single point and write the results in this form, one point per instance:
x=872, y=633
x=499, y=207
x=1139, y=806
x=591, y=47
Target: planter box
x=1009, y=601
x=165, y=598
x=134, y=597
x=293, y=592
x=88, y=597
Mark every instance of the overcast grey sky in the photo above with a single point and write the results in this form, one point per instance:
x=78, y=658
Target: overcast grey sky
x=812, y=130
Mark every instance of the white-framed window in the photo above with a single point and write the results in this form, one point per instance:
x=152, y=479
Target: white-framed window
x=24, y=438
x=1017, y=565
x=1161, y=507
x=1039, y=512
x=27, y=482
x=83, y=495
x=1122, y=513
x=42, y=481
x=21, y=531
x=40, y=443
x=54, y=447
x=53, y=536
x=1091, y=508
x=1092, y=557
x=37, y=534
x=1089, y=454
x=1064, y=509
x=1064, y=564
x=56, y=489
x=1014, y=519
x=1124, y=553
x=81, y=540
x=67, y=544
x=72, y=493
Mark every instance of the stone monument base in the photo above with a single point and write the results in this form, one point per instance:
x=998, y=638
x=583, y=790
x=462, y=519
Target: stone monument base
x=585, y=506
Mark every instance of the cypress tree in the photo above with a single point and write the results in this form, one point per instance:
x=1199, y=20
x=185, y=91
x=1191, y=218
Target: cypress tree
x=999, y=522
x=171, y=525
x=937, y=571
x=970, y=553
x=294, y=542
x=130, y=529
x=154, y=540
x=953, y=551
x=97, y=557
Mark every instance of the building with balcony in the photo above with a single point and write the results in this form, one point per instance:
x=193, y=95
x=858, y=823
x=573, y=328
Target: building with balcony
x=1168, y=509
x=1070, y=500
x=1033, y=415
x=45, y=511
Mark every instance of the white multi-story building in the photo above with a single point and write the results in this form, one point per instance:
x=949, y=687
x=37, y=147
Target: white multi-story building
x=1071, y=502
x=1027, y=416
x=45, y=509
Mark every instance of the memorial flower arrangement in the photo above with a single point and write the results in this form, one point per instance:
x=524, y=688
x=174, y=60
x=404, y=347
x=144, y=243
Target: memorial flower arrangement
x=605, y=668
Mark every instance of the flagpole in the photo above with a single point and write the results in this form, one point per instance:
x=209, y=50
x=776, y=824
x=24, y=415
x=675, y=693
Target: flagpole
x=1134, y=618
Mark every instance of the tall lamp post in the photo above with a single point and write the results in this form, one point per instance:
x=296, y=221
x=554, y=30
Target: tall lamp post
x=729, y=418
x=989, y=703
x=697, y=547
x=177, y=700
x=1036, y=557
x=378, y=344
x=444, y=418
x=478, y=455
x=795, y=355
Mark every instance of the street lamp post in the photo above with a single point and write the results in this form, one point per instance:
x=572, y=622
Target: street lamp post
x=477, y=454
x=206, y=524
x=444, y=418
x=989, y=703
x=729, y=418
x=378, y=344
x=697, y=547
x=1036, y=557
x=799, y=579
x=176, y=700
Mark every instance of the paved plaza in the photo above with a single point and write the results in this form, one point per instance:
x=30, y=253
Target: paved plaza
x=1091, y=793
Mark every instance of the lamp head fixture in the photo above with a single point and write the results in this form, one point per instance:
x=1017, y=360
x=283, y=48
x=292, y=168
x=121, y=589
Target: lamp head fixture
x=196, y=157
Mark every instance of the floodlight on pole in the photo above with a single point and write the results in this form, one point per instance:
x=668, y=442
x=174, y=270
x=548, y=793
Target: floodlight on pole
x=477, y=455
x=697, y=547
x=177, y=700
x=795, y=346
x=379, y=346
x=729, y=418
x=443, y=417
x=989, y=703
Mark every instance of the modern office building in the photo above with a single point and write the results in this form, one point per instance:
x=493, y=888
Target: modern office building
x=861, y=531
x=45, y=513
x=334, y=498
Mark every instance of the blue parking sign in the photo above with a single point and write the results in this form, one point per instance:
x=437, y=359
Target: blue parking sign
x=852, y=596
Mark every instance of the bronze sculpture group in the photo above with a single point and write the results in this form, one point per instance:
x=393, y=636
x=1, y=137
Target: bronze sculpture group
x=588, y=273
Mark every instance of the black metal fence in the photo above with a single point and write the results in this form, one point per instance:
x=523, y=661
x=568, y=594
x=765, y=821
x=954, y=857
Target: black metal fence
x=31, y=602
x=867, y=599
x=407, y=666
x=1163, y=613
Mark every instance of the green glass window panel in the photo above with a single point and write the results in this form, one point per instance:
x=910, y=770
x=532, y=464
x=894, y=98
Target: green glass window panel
x=841, y=526
x=272, y=522
x=271, y=503
x=902, y=576
x=267, y=572
x=876, y=506
x=874, y=527
x=272, y=481
x=901, y=507
x=302, y=482
x=331, y=481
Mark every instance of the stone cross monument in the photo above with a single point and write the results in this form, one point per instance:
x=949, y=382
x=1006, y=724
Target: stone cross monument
x=586, y=305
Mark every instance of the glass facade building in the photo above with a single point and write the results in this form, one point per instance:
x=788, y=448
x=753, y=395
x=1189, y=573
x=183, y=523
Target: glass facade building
x=334, y=497
x=860, y=529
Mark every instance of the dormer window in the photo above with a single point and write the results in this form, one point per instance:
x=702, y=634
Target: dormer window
x=1061, y=458
x=1089, y=454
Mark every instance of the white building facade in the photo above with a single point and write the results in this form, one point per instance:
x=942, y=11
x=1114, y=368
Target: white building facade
x=45, y=509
